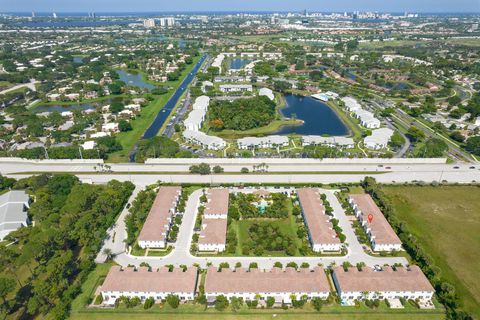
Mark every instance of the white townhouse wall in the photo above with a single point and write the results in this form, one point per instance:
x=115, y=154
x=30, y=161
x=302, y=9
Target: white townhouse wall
x=236, y=88
x=367, y=119
x=13, y=212
x=195, y=119
x=379, y=138
x=144, y=284
x=204, y=140
x=217, y=62
x=381, y=235
x=250, y=54
x=408, y=283
x=341, y=142
x=267, y=93
x=157, y=225
x=277, y=283
x=320, y=231
x=264, y=142
x=272, y=55
x=201, y=103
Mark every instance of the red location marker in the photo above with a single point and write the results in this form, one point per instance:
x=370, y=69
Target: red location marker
x=370, y=218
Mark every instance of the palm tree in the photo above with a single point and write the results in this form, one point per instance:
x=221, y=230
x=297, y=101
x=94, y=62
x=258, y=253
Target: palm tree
x=108, y=253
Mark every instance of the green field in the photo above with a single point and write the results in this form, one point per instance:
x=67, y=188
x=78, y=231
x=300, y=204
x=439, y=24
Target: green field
x=446, y=220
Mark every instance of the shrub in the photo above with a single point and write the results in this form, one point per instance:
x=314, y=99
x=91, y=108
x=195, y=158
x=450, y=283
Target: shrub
x=148, y=303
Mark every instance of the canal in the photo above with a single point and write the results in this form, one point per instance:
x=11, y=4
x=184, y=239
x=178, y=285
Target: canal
x=163, y=114
x=318, y=118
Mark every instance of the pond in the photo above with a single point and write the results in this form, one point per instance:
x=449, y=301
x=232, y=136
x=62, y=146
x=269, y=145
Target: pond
x=134, y=79
x=81, y=106
x=397, y=86
x=318, y=118
x=64, y=107
x=238, y=63
x=77, y=59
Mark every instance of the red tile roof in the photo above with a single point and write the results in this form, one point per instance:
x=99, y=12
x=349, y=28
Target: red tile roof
x=154, y=227
x=386, y=280
x=143, y=280
x=217, y=201
x=318, y=222
x=274, y=281
x=214, y=231
x=380, y=228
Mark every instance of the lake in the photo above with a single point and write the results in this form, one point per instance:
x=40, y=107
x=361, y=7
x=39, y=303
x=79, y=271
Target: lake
x=81, y=106
x=134, y=79
x=238, y=63
x=319, y=119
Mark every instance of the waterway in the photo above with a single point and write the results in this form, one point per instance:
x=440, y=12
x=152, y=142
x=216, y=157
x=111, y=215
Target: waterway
x=317, y=117
x=134, y=79
x=162, y=116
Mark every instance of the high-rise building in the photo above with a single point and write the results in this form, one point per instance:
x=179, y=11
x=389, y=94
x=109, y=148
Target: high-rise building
x=149, y=23
x=33, y=14
x=54, y=15
x=167, y=22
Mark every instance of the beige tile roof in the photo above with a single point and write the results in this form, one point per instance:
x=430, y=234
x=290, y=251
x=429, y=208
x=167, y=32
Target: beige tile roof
x=386, y=280
x=274, y=281
x=214, y=231
x=143, y=280
x=380, y=228
x=154, y=227
x=217, y=201
x=314, y=212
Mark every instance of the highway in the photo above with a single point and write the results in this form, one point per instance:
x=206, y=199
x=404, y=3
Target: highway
x=279, y=171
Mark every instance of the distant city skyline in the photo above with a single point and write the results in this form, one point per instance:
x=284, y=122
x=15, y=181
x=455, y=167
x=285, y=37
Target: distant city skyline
x=429, y=6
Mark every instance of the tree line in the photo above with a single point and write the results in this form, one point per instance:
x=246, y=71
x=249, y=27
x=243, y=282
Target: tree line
x=57, y=252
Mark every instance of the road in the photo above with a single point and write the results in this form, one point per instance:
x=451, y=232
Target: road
x=402, y=119
x=117, y=234
x=279, y=171
x=30, y=85
x=394, y=126
x=181, y=252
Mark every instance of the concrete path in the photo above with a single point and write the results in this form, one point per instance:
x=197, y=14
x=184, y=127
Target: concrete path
x=117, y=234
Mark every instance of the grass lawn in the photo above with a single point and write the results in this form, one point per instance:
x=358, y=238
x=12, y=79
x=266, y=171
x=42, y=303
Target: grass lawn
x=147, y=114
x=446, y=220
x=94, y=279
x=287, y=226
x=195, y=311
x=254, y=316
x=268, y=129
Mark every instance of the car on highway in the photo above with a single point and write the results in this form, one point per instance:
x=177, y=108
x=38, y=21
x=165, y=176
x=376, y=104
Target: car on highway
x=388, y=168
x=456, y=167
x=472, y=167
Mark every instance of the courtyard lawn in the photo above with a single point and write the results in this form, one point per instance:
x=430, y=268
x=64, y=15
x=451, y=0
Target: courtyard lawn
x=446, y=221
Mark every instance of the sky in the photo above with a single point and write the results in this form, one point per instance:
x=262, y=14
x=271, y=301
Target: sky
x=239, y=5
